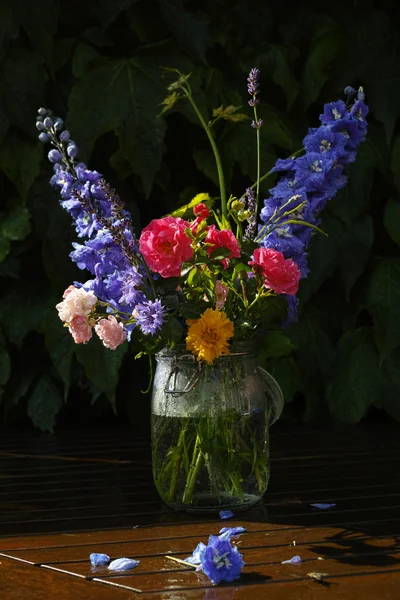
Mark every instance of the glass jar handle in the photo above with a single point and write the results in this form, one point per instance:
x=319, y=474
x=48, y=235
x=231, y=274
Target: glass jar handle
x=275, y=395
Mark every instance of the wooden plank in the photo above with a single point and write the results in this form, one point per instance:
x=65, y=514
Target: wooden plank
x=19, y=581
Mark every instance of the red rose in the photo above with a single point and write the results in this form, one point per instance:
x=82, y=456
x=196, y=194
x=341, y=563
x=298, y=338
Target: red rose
x=224, y=238
x=165, y=246
x=281, y=274
x=201, y=211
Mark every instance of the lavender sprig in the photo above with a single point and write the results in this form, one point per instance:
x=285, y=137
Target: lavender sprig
x=253, y=87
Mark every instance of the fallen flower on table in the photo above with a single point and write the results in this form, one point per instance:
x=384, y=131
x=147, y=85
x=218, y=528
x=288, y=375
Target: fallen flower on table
x=226, y=514
x=99, y=560
x=295, y=560
x=227, y=532
x=123, y=564
x=221, y=561
x=194, y=558
x=317, y=576
x=323, y=505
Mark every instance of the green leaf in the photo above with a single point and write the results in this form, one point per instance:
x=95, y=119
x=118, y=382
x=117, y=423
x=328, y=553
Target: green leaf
x=391, y=219
x=198, y=199
x=44, y=403
x=14, y=226
x=287, y=373
x=4, y=124
x=21, y=311
x=20, y=161
x=22, y=79
x=229, y=113
x=172, y=331
x=390, y=401
x=281, y=73
x=220, y=253
x=354, y=251
x=356, y=382
x=275, y=344
x=395, y=162
x=5, y=366
x=128, y=105
x=60, y=346
x=40, y=21
x=383, y=302
x=324, y=47
x=189, y=29
x=106, y=11
x=101, y=365
x=83, y=57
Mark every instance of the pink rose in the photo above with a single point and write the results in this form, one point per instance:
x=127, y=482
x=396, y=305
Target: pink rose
x=221, y=293
x=80, y=329
x=77, y=302
x=281, y=274
x=165, y=246
x=224, y=238
x=110, y=332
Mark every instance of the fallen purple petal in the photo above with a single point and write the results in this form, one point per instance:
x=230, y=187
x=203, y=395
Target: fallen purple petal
x=323, y=506
x=226, y=514
x=123, y=564
x=295, y=560
x=99, y=560
x=227, y=532
x=194, y=558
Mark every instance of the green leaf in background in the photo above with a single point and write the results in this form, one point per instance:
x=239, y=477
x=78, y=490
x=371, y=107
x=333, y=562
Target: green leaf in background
x=14, y=225
x=276, y=65
x=356, y=382
x=391, y=218
x=383, y=302
x=101, y=365
x=390, y=401
x=20, y=312
x=275, y=344
x=20, y=161
x=22, y=79
x=5, y=367
x=106, y=11
x=189, y=29
x=287, y=373
x=324, y=47
x=128, y=105
x=60, y=346
x=355, y=246
x=395, y=162
x=44, y=404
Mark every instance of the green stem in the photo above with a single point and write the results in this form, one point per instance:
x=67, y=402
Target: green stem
x=193, y=472
x=258, y=159
x=177, y=466
x=217, y=157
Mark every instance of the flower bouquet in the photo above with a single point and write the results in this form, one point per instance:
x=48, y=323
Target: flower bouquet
x=198, y=287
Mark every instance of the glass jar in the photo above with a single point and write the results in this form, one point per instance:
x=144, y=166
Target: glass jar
x=210, y=438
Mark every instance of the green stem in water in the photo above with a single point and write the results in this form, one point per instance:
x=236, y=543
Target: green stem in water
x=195, y=466
x=217, y=157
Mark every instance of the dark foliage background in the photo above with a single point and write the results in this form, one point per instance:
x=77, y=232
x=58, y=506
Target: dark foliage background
x=98, y=63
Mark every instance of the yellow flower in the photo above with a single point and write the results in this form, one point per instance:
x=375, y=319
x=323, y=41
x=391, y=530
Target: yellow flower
x=208, y=336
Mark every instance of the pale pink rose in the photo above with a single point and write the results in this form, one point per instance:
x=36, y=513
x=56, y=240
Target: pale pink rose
x=68, y=290
x=80, y=329
x=165, y=246
x=77, y=302
x=110, y=332
x=221, y=294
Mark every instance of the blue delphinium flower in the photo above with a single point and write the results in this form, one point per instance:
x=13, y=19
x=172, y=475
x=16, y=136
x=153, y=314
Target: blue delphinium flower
x=309, y=181
x=123, y=564
x=99, y=560
x=221, y=561
x=194, y=558
x=227, y=532
x=150, y=316
x=226, y=514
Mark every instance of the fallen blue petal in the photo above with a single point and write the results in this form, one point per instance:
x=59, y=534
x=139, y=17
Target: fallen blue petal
x=323, y=506
x=227, y=532
x=99, y=560
x=226, y=514
x=295, y=560
x=194, y=558
x=123, y=564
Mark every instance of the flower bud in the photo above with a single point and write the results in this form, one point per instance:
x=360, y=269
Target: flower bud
x=48, y=122
x=58, y=124
x=42, y=111
x=72, y=150
x=40, y=126
x=65, y=135
x=43, y=137
x=54, y=156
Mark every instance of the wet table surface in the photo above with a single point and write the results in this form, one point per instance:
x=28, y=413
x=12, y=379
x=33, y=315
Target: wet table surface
x=65, y=496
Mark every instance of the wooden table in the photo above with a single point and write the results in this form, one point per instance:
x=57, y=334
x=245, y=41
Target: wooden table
x=66, y=496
